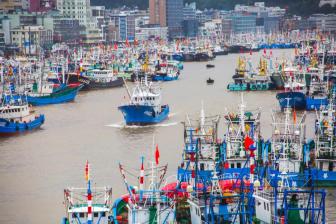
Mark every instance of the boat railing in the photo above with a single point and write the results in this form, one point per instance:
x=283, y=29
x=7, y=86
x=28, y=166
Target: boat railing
x=327, y=154
x=78, y=196
x=266, y=194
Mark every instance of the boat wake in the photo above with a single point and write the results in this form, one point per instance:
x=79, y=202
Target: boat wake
x=165, y=124
x=123, y=125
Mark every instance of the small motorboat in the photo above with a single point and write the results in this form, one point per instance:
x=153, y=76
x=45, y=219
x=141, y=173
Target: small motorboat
x=210, y=66
x=210, y=81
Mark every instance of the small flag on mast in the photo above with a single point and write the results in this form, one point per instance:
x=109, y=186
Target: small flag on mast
x=87, y=177
x=157, y=155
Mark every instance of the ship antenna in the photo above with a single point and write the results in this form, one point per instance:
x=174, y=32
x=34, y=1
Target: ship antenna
x=89, y=193
x=202, y=121
x=127, y=89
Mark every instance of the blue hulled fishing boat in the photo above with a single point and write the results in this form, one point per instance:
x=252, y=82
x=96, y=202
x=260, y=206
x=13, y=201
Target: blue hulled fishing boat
x=293, y=96
x=297, y=100
x=317, y=90
x=145, y=105
x=16, y=116
x=324, y=157
x=47, y=94
x=242, y=127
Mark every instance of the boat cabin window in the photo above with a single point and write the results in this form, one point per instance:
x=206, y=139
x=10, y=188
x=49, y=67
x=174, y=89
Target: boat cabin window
x=331, y=166
x=95, y=214
x=232, y=165
x=238, y=165
x=81, y=215
x=103, y=214
x=267, y=207
x=202, y=166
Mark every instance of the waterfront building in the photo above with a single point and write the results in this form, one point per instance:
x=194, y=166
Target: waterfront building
x=126, y=26
x=243, y=23
x=67, y=30
x=189, y=11
x=190, y=27
x=323, y=22
x=151, y=31
x=174, y=17
x=81, y=10
x=157, y=12
x=258, y=8
x=30, y=39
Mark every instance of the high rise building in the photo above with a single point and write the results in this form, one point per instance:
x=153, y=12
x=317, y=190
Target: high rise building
x=174, y=13
x=126, y=26
x=157, y=12
x=81, y=11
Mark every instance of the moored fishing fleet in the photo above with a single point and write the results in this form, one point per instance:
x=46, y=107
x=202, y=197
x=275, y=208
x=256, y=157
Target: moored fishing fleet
x=235, y=177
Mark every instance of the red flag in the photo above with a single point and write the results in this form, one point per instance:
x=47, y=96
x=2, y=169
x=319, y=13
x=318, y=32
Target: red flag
x=127, y=43
x=157, y=155
x=87, y=171
x=226, y=165
x=248, y=142
x=115, y=46
x=252, y=169
x=264, y=51
x=294, y=116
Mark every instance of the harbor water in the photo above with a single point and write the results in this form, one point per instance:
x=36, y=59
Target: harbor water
x=37, y=166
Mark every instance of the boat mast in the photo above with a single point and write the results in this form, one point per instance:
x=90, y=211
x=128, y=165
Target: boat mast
x=242, y=114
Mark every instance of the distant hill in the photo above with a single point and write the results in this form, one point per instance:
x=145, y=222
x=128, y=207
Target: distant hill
x=298, y=7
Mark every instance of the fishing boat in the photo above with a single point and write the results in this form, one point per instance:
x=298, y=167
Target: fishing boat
x=277, y=201
x=220, y=50
x=277, y=80
x=239, y=83
x=145, y=105
x=259, y=81
x=324, y=155
x=166, y=72
x=91, y=205
x=293, y=95
x=210, y=65
x=215, y=203
x=210, y=81
x=241, y=141
x=205, y=156
x=16, y=116
x=188, y=55
x=101, y=79
x=287, y=150
x=212, y=196
x=46, y=93
x=145, y=205
x=317, y=90
x=203, y=55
